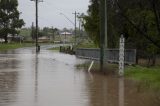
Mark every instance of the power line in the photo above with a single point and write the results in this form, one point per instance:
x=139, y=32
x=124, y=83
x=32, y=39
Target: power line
x=67, y=18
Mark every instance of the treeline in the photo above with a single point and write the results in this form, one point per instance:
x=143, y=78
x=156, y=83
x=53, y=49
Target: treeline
x=46, y=31
x=137, y=20
x=30, y=33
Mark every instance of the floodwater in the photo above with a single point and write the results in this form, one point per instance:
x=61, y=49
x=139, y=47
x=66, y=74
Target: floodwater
x=51, y=79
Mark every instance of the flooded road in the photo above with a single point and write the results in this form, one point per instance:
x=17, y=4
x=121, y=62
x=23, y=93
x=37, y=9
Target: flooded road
x=51, y=79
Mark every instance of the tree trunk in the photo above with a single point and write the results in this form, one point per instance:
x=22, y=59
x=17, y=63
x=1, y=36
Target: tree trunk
x=6, y=39
x=137, y=59
x=149, y=61
x=153, y=60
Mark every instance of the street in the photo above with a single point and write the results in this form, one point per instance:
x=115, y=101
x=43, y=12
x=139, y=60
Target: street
x=51, y=79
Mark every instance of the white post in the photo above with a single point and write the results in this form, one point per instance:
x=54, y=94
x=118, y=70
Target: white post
x=121, y=56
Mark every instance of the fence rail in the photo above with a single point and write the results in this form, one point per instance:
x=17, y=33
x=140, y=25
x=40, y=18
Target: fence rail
x=111, y=55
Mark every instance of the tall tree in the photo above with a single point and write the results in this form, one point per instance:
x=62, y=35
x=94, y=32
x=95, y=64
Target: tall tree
x=92, y=21
x=9, y=18
x=142, y=25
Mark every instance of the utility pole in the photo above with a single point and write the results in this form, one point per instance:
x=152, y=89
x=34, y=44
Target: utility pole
x=36, y=25
x=75, y=26
x=102, y=32
x=79, y=27
x=36, y=5
x=32, y=33
x=53, y=33
x=106, y=27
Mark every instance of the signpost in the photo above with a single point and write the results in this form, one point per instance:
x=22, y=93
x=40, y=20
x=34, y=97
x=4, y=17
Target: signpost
x=121, y=56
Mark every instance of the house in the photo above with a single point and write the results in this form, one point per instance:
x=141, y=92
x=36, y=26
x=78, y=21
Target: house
x=43, y=39
x=66, y=33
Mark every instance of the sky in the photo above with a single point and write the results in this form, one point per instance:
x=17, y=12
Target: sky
x=49, y=12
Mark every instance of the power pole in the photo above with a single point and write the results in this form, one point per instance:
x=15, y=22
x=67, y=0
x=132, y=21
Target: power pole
x=36, y=5
x=102, y=32
x=106, y=27
x=75, y=26
x=36, y=25
x=32, y=33
x=53, y=34
x=79, y=27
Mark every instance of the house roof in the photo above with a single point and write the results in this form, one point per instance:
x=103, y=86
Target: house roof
x=66, y=33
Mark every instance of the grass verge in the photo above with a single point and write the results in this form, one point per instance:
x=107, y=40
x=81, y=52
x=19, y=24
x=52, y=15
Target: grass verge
x=87, y=44
x=147, y=77
x=54, y=48
x=14, y=46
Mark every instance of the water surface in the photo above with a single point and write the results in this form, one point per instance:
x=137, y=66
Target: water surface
x=51, y=79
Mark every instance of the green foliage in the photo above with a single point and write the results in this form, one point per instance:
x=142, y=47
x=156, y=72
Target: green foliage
x=137, y=20
x=25, y=32
x=147, y=76
x=14, y=46
x=54, y=48
x=9, y=18
x=92, y=21
x=46, y=31
x=141, y=26
x=86, y=44
x=92, y=24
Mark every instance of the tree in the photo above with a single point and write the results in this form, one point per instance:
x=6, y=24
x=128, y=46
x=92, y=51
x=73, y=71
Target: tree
x=9, y=18
x=142, y=19
x=92, y=21
x=91, y=24
x=138, y=20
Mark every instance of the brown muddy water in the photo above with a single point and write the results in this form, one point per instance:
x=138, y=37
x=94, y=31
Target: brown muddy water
x=51, y=79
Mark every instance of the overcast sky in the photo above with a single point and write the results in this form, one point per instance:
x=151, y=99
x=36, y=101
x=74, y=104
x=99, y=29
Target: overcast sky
x=49, y=12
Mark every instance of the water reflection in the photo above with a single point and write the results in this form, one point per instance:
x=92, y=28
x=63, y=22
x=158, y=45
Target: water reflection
x=8, y=87
x=117, y=91
x=8, y=78
x=121, y=91
x=8, y=61
x=103, y=91
x=36, y=77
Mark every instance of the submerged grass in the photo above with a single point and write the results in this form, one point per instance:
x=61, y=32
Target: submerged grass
x=108, y=68
x=149, y=77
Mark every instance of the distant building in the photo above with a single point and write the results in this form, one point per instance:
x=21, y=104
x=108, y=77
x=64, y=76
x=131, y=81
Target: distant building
x=66, y=33
x=43, y=39
x=10, y=38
